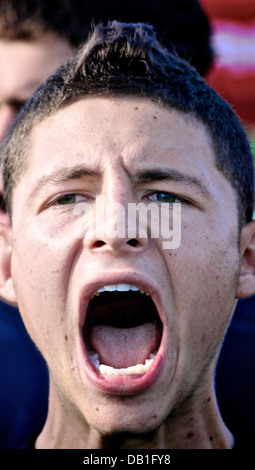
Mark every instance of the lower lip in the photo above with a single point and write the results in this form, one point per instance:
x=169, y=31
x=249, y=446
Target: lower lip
x=123, y=384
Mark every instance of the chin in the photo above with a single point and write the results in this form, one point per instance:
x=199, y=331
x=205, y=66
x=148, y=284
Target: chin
x=133, y=415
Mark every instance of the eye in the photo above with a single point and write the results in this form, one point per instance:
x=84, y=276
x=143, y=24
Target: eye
x=162, y=196
x=68, y=199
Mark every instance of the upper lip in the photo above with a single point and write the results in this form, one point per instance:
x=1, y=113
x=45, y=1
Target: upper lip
x=141, y=281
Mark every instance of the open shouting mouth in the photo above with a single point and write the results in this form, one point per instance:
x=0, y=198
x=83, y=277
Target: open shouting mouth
x=122, y=334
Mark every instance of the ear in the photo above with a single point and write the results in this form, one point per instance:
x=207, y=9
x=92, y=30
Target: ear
x=6, y=285
x=246, y=284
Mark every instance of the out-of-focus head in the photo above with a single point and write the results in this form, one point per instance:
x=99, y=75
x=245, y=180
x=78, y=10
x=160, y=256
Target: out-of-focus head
x=35, y=38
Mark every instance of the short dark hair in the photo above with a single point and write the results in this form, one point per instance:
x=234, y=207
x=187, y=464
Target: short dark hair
x=127, y=59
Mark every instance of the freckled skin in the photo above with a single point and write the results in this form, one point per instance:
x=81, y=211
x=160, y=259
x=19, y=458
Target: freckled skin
x=196, y=282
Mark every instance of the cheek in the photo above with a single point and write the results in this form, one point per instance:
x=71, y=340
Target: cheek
x=208, y=257
x=203, y=279
x=45, y=254
x=41, y=265
x=203, y=275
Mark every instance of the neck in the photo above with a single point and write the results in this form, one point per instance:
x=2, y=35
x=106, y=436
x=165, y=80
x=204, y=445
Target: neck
x=196, y=424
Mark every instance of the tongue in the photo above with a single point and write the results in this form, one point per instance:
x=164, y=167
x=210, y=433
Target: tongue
x=124, y=347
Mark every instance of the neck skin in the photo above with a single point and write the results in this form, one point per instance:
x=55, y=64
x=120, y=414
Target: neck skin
x=196, y=425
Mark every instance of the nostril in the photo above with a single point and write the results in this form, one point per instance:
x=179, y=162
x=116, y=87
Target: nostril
x=133, y=242
x=117, y=243
x=98, y=244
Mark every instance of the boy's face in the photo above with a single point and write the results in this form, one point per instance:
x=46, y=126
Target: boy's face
x=122, y=149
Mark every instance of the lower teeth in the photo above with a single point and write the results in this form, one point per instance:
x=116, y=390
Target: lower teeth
x=138, y=369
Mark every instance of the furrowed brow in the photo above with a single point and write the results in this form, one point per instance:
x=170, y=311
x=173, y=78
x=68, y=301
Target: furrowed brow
x=158, y=174
x=62, y=176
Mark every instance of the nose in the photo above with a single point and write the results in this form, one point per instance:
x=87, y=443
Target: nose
x=116, y=226
x=115, y=231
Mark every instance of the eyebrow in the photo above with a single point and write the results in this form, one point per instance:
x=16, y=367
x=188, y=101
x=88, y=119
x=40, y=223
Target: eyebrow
x=63, y=175
x=159, y=174
x=79, y=172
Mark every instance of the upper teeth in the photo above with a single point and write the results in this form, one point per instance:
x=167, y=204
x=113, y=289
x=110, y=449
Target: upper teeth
x=117, y=287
